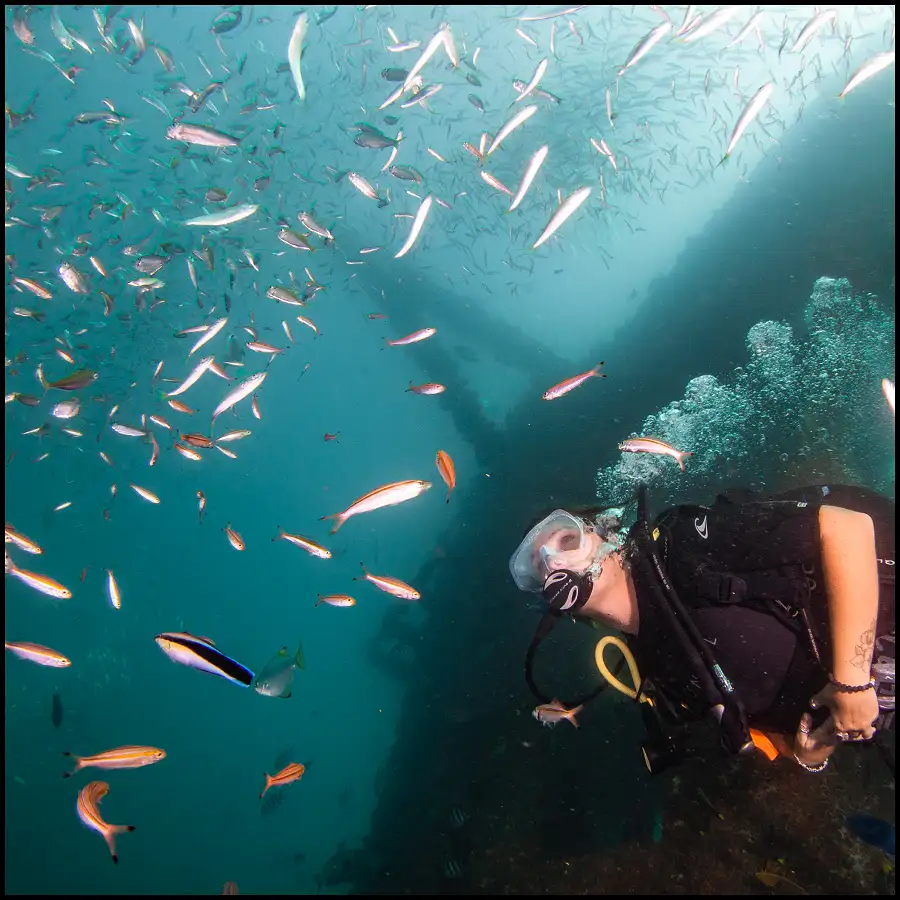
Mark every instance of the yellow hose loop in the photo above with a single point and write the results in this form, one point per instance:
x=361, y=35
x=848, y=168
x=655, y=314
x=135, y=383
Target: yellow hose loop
x=602, y=644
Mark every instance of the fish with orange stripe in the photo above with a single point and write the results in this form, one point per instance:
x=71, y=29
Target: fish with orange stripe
x=128, y=757
x=447, y=470
x=291, y=772
x=386, y=495
x=88, y=811
x=393, y=586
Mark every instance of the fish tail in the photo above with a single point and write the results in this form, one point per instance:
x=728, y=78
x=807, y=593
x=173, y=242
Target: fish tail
x=449, y=492
x=77, y=764
x=268, y=779
x=570, y=715
x=682, y=456
x=339, y=520
x=110, y=835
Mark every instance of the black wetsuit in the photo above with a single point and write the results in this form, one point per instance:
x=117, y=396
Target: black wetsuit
x=741, y=569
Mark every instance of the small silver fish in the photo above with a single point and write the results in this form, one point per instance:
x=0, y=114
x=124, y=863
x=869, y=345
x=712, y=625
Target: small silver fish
x=278, y=674
x=200, y=135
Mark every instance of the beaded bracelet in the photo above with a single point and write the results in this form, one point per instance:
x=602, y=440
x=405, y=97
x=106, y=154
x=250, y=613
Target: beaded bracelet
x=853, y=688
x=817, y=768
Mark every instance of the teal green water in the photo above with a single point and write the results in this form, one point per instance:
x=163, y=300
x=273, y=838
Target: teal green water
x=808, y=392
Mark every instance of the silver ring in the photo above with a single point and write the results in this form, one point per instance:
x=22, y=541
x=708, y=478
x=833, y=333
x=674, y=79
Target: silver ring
x=842, y=735
x=803, y=730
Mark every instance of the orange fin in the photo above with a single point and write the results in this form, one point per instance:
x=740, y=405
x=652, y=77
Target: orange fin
x=762, y=742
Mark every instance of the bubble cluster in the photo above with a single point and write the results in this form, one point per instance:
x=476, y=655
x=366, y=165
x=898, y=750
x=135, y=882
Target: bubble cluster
x=803, y=410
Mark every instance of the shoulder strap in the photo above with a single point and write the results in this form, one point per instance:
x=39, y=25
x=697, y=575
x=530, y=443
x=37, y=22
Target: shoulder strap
x=719, y=693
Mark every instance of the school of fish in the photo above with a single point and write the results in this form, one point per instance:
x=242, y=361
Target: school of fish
x=228, y=219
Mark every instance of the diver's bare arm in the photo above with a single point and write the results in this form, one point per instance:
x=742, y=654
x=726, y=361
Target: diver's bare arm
x=850, y=569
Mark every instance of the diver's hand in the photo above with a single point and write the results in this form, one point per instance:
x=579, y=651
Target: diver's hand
x=853, y=713
x=812, y=746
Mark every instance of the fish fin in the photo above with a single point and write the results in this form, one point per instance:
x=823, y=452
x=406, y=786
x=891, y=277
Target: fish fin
x=287, y=692
x=298, y=656
x=339, y=520
x=111, y=838
x=77, y=764
x=763, y=743
x=199, y=637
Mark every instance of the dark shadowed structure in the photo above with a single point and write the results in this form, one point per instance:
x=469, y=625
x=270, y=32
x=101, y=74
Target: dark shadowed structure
x=574, y=812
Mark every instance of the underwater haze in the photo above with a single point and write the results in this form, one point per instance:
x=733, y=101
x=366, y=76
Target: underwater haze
x=286, y=291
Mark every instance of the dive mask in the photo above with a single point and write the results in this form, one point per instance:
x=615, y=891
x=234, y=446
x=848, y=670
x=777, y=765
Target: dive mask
x=560, y=541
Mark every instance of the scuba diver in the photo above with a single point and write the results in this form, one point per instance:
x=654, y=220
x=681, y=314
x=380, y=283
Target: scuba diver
x=771, y=616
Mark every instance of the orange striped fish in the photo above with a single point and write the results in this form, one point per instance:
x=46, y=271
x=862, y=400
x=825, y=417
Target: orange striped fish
x=291, y=772
x=558, y=390
x=234, y=538
x=22, y=542
x=393, y=586
x=197, y=440
x=38, y=653
x=112, y=588
x=427, y=389
x=149, y=496
x=340, y=600
x=652, y=445
x=87, y=807
x=306, y=544
x=128, y=757
x=386, y=495
x=448, y=471
x=38, y=582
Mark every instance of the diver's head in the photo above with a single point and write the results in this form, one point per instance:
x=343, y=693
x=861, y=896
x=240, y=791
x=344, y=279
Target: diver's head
x=562, y=558
x=564, y=542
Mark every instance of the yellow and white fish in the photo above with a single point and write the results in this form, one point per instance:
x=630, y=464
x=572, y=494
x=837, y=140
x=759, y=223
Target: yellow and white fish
x=128, y=757
x=393, y=586
x=38, y=653
x=88, y=811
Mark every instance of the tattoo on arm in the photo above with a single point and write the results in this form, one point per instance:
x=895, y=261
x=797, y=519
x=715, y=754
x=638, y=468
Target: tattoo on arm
x=862, y=655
